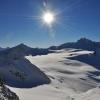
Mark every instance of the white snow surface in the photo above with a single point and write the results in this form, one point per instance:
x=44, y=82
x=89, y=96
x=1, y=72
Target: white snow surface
x=69, y=78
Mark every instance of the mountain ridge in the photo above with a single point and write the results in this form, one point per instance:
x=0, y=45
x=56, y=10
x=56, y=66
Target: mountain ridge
x=82, y=43
x=17, y=71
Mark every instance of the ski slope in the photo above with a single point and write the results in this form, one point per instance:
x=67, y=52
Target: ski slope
x=69, y=78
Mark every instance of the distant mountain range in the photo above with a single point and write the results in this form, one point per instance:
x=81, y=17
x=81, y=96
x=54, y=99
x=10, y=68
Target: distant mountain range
x=15, y=69
x=22, y=50
x=82, y=43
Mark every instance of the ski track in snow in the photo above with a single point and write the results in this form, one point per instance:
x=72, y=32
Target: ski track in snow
x=69, y=78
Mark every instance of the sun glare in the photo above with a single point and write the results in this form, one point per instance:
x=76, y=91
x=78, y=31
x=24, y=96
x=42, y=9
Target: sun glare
x=48, y=17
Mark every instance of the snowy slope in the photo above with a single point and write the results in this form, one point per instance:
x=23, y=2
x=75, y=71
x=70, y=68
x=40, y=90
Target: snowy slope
x=93, y=94
x=69, y=78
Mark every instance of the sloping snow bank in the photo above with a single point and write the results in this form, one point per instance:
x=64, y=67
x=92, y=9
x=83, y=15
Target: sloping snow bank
x=69, y=78
x=93, y=94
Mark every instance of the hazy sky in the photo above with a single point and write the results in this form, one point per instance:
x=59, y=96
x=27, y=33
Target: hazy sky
x=19, y=22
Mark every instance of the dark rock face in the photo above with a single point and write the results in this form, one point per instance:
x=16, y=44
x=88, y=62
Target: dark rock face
x=7, y=94
x=17, y=71
x=24, y=74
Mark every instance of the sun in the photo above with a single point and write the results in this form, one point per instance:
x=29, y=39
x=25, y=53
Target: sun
x=48, y=17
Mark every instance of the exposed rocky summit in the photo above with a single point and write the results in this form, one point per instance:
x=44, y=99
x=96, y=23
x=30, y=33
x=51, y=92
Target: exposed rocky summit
x=7, y=94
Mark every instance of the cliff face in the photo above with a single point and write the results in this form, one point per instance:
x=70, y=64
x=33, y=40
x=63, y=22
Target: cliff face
x=97, y=52
x=7, y=94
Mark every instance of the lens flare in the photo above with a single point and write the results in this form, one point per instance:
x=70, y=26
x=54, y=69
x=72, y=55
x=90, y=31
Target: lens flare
x=48, y=18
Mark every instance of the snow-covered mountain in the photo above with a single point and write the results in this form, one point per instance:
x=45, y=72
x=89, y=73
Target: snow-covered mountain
x=71, y=79
x=61, y=74
x=17, y=71
x=22, y=50
x=82, y=43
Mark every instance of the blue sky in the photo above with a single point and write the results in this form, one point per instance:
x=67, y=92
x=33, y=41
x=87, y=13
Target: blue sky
x=77, y=18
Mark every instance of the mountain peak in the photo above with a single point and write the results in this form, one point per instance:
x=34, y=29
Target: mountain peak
x=84, y=40
x=82, y=43
x=22, y=45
